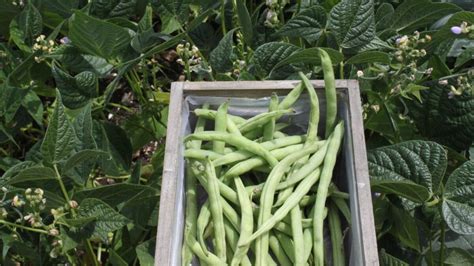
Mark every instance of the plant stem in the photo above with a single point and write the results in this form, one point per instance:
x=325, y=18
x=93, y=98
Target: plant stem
x=222, y=11
x=63, y=188
x=36, y=230
x=441, y=250
x=90, y=250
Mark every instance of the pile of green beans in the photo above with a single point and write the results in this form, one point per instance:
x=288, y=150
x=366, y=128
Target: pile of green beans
x=257, y=196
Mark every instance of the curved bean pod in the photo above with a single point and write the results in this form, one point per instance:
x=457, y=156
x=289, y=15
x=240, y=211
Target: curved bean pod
x=291, y=97
x=269, y=145
x=254, y=162
x=236, y=141
x=312, y=132
x=262, y=119
x=330, y=91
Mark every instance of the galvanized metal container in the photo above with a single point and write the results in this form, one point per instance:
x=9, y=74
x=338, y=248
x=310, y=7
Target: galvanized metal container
x=351, y=174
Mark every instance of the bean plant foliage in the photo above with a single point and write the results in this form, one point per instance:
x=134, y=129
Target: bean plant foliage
x=83, y=109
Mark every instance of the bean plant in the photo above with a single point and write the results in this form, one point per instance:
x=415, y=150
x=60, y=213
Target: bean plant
x=85, y=85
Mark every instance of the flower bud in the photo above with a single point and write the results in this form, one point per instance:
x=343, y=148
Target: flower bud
x=73, y=204
x=456, y=30
x=53, y=232
x=360, y=73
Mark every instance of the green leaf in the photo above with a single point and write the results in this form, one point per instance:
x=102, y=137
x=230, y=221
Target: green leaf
x=63, y=8
x=311, y=56
x=439, y=67
x=17, y=168
x=83, y=128
x=448, y=121
x=352, y=22
x=170, y=22
x=404, y=228
x=76, y=91
x=179, y=8
x=307, y=24
x=458, y=203
x=148, y=125
x=7, y=13
x=107, y=219
x=414, y=90
x=119, y=145
x=34, y=106
x=115, y=194
x=116, y=260
x=145, y=40
x=370, y=57
x=146, y=22
x=80, y=157
x=422, y=162
x=98, y=37
x=245, y=22
x=140, y=208
x=18, y=36
x=389, y=260
x=444, y=35
x=221, y=57
x=412, y=15
x=75, y=61
x=457, y=256
x=404, y=188
x=59, y=139
x=268, y=55
x=78, y=222
x=30, y=22
x=112, y=8
x=33, y=174
x=383, y=16
x=10, y=101
x=465, y=57
x=146, y=252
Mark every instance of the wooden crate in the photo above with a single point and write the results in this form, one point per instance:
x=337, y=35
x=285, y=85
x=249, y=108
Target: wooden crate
x=351, y=171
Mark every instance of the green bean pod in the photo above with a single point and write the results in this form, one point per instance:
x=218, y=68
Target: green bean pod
x=266, y=199
x=261, y=119
x=215, y=206
x=209, y=258
x=237, y=141
x=291, y=97
x=330, y=91
x=301, y=190
x=254, y=162
x=312, y=132
x=278, y=251
x=326, y=176
x=190, y=215
x=308, y=243
x=298, y=239
x=241, y=155
x=336, y=237
x=202, y=221
x=287, y=244
x=269, y=128
x=246, y=224
x=211, y=114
